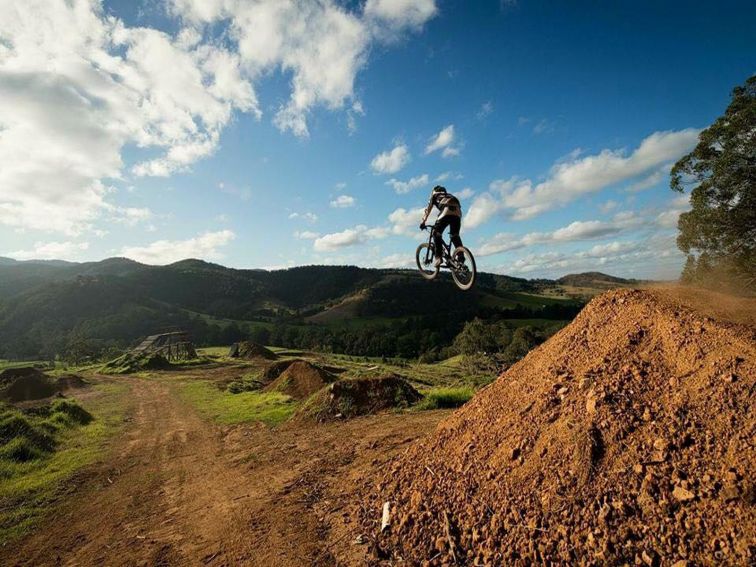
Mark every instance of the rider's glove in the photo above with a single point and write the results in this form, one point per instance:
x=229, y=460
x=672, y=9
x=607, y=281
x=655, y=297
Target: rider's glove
x=422, y=226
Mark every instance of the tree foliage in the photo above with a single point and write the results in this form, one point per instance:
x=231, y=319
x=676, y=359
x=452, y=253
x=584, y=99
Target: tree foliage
x=719, y=232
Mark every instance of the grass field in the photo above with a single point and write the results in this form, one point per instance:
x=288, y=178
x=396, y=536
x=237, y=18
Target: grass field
x=226, y=408
x=29, y=488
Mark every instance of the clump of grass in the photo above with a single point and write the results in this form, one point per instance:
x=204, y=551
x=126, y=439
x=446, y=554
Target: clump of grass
x=32, y=435
x=42, y=447
x=446, y=398
x=223, y=407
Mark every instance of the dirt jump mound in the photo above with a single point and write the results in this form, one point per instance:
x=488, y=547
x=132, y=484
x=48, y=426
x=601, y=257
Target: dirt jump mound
x=627, y=438
x=136, y=362
x=351, y=398
x=300, y=380
x=247, y=349
x=27, y=384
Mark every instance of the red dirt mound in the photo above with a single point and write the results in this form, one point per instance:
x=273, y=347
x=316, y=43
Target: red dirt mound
x=363, y=396
x=69, y=381
x=625, y=439
x=301, y=380
x=247, y=349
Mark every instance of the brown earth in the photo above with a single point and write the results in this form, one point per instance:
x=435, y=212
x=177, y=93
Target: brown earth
x=627, y=438
x=177, y=490
x=360, y=396
x=248, y=350
x=300, y=380
x=29, y=384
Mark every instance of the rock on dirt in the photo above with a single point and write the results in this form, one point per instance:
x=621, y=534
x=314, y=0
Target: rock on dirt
x=27, y=384
x=350, y=398
x=300, y=380
x=622, y=468
x=249, y=350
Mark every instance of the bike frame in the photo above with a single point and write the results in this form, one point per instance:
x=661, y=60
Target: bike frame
x=446, y=252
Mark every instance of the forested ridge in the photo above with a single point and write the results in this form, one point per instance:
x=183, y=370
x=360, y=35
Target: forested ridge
x=50, y=309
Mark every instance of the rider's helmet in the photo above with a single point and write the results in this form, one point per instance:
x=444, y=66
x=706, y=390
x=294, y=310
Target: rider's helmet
x=439, y=190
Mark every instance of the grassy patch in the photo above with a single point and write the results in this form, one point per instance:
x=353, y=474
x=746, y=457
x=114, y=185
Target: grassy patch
x=224, y=407
x=48, y=448
x=446, y=398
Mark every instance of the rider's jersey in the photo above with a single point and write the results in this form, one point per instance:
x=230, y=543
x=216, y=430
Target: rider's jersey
x=446, y=203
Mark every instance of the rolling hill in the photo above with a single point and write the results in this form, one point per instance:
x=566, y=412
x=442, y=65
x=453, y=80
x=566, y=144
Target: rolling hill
x=46, y=305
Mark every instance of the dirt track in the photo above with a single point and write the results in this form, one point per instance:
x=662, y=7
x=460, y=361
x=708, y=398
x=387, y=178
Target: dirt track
x=178, y=491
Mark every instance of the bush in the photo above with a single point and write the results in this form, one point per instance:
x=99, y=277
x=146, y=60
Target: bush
x=446, y=398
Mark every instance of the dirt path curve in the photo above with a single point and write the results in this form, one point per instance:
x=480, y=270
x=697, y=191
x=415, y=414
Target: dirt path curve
x=178, y=490
x=166, y=497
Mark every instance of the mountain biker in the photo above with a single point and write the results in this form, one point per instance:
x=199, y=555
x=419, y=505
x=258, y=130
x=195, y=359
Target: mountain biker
x=450, y=215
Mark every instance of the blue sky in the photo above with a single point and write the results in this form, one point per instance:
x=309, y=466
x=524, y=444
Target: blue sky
x=267, y=134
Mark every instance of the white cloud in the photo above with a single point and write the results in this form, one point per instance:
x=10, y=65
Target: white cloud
x=401, y=13
x=349, y=237
x=51, y=251
x=391, y=161
x=443, y=141
x=396, y=261
x=306, y=235
x=466, y=193
x=205, y=246
x=575, y=231
x=608, y=206
x=343, y=202
x=405, y=222
x=78, y=85
x=307, y=216
x=320, y=42
x=402, y=187
x=574, y=177
x=336, y=240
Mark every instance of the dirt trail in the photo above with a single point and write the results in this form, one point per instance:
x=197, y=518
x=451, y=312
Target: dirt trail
x=179, y=491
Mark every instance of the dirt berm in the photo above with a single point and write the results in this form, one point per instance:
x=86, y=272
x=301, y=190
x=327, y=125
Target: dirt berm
x=248, y=350
x=300, y=380
x=361, y=396
x=626, y=439
x=26, y=384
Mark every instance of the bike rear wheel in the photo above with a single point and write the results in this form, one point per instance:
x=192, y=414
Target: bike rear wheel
x=425, y=261
x=463, y=268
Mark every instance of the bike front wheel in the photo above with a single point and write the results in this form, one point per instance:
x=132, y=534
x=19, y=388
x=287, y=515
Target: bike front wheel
x=463, y=268
x=425, y=261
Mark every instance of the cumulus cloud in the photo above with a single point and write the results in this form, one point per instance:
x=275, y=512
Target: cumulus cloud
x=336, y=240
x=402, y=187
x=575, y=231
x=68, y=250
x=391, y=161
x=655, y=257
x=575, y=177
x=443, y=141
x=205, y=246
x=320, y=43
x=78, y=85
x=343, y=202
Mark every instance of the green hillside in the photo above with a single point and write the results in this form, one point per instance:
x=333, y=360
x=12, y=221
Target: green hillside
x=48, y=308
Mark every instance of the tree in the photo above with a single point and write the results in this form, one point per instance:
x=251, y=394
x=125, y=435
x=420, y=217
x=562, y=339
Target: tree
x=722, y=222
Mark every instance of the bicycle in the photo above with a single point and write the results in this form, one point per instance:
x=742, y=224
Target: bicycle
x=461, y=262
